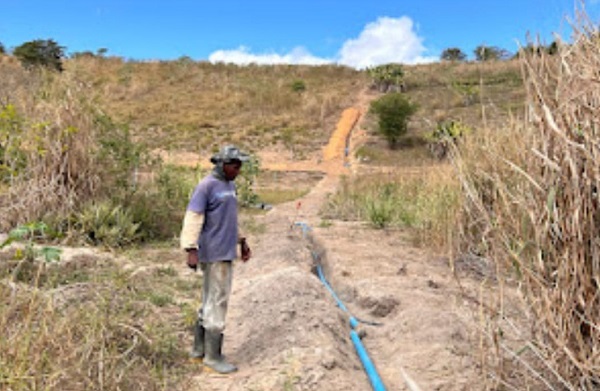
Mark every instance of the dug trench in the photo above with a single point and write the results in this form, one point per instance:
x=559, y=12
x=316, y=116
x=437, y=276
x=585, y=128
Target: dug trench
x=286, y=332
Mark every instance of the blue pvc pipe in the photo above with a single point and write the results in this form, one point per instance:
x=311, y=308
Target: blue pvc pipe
x=374, y=378
x=372, y=374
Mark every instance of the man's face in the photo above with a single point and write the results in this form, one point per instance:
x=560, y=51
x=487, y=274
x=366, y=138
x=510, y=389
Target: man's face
x=232, y=170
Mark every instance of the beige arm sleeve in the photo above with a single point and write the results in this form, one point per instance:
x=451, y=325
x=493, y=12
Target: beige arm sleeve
x=190, y=232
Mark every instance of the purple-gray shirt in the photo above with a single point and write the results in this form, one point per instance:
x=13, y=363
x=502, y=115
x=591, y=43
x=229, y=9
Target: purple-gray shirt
x=217, y=200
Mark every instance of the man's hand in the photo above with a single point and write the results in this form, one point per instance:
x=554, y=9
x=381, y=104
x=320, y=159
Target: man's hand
x=246, y=252
x=192, y=258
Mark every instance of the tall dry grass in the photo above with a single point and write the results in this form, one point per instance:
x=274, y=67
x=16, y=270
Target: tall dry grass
x=531, y=205
x=196, y=106
x=52, y=131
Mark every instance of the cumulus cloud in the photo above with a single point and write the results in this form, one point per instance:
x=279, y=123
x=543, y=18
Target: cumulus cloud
x=243, y=56
x=384, y=41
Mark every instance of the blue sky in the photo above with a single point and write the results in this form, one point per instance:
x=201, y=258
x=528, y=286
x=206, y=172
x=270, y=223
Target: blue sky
x=351, y=32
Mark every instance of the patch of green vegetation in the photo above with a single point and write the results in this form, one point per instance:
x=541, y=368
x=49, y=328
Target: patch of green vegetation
x=426, y=205
x=325, y=223
x=160, y=299
x=276, y=196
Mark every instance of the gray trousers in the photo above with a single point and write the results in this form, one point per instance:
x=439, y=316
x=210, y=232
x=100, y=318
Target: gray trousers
x=216, y=287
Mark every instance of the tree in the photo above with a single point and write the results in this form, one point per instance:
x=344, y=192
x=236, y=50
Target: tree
x=2, y=49
x=45, y=53
x=387, y=77
x=490, y=53
x=84, y=54
x=537, y=50
x=453, y=54
x=393, y=112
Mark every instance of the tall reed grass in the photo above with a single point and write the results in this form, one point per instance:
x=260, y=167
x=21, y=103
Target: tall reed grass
x=531, y=205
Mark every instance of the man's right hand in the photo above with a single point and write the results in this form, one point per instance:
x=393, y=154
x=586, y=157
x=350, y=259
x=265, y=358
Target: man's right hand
x=192, y=258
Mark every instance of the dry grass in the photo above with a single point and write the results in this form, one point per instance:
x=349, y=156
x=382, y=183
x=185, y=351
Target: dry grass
x=197, y=106
x=99, y=330
x=424, y=200
x=52, y=130
x=531, y=205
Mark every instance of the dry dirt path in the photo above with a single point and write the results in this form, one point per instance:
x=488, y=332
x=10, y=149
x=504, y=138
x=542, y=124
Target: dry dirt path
x=285, y=331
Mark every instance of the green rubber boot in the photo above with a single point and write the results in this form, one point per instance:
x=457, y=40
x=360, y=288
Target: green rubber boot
x=198, y=349
x=213, y=359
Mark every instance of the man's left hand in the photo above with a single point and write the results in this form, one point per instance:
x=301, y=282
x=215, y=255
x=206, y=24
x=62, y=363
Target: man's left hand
x=246, y=252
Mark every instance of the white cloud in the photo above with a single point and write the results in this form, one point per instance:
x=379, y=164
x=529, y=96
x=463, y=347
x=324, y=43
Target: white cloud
x=243, y=56
x=384, y=41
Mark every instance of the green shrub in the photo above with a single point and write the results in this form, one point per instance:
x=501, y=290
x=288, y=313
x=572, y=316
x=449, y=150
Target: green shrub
x=245, y=183
x=393, y=112
x=41, y=52
x=387, y=77
x=12, y=157
x=426, y=205
x=298, y=86
x=158, y=206
x=104, y=223
x=379, y=211
x=444, y=136
x=453, y=54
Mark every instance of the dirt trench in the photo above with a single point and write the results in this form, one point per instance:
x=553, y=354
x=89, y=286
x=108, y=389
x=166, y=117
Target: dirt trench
x=284, y=330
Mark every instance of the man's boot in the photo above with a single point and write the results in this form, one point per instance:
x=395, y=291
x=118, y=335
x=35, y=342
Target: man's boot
x=213, y=359
x=198, y=349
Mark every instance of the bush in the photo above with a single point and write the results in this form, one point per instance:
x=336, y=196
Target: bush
x=45, y=53
x=245, y=183
x=298, y=86
x=393, y=112
x=387, y=78
x=453, y=54
x=105, y=223
x=445, y=135
x=75, y=169
x=12, y=156
x=490, y=53
x=159, y=205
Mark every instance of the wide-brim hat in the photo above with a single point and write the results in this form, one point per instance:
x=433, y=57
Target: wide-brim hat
x=229, y=154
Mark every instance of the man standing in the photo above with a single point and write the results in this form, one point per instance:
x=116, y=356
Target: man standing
x=210, y=237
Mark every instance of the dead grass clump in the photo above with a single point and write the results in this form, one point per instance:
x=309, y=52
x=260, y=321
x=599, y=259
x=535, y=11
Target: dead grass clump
x=98, y=335
x=531, y=202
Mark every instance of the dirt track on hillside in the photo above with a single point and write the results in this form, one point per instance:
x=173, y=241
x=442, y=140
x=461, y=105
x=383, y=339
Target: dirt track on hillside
x=284, y=330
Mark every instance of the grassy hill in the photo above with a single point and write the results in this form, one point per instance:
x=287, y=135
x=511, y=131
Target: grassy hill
x=197, y=106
